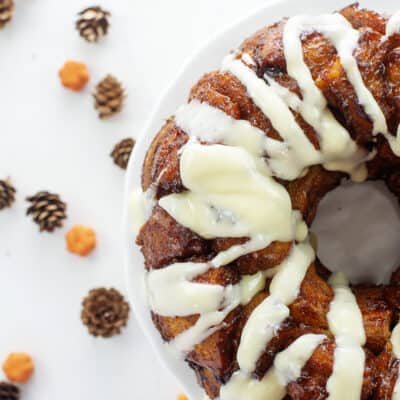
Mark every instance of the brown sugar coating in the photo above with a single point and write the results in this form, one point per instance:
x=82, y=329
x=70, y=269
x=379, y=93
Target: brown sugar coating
x=164, y=241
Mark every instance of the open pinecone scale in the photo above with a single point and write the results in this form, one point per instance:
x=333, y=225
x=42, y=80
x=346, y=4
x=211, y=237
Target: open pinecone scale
x=6, y=12
x=122, y=152
x=8, y=391
x=7, y=194
x=93, y=23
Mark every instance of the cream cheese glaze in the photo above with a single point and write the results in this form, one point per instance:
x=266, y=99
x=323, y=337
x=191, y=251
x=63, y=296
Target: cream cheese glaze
x=141, y=205
x=231, y=192
x=393, y=25
x=276, y=102
x=395, y=340
x=345, y=322
x=344, y=38
x=250, y=285
x=299, y=152
x=287, y=368
x=268, y=316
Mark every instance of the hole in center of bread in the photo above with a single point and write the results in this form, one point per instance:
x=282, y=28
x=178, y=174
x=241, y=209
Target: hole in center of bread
x=358, y=232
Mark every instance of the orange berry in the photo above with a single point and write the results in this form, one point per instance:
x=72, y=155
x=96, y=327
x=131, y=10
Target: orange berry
x=81, y=240
x=182, y=397
x=74, y=75
x=18, y=367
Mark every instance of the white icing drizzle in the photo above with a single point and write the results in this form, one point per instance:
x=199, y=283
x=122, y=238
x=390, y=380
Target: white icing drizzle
x=276, y=101
x=268, y=316
x=254, y=244
x=141, y=205
x=172, y=293
x=299, y=152
x=241, y=387
x=209, y=322
x=395, y=340
x=259, y=330
x=393, y=25
x=341, y=34
x=250, y=285
x=287, y=368
x=231, y=193
x=346, y=323
x=347, y=157
x=201, y=121
x=206, y=325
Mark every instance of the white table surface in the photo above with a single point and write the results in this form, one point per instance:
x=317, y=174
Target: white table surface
x=51, y=139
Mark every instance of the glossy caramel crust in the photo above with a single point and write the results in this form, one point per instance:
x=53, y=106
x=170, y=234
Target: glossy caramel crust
x=164, y=241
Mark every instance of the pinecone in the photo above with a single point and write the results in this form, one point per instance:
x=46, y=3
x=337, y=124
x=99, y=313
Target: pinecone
x=6, y=12
x=7, y=193
x=48, y=210
x=122, y=152
x=93, y=23
x=9, y=391
x=109, y=97
x=104, y=312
